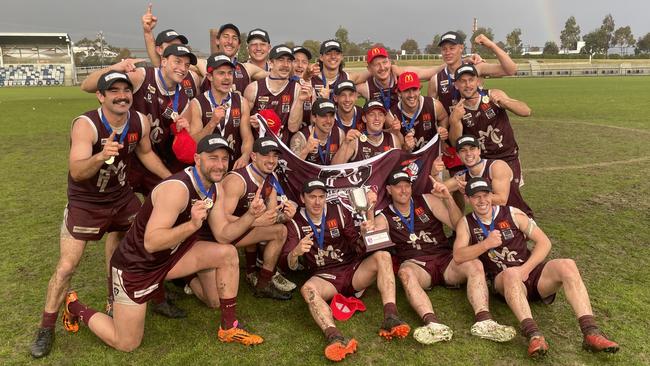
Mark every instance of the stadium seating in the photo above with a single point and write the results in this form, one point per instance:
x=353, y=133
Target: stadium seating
x=32, y=75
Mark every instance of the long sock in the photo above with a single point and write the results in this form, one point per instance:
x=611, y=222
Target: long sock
x=251, y=261
x=429, y=318
x=48, y=320
x=482, y=315
x=331, y=332
x=81, y=310
x=228, y=312
x=587, y=324
x=390, y=309
x=264, y=278
x=529, y=328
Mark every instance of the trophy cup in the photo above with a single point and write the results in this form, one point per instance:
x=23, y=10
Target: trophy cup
x=374, y=240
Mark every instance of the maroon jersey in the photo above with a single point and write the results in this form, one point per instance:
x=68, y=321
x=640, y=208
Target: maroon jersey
x=318, y=83
x=340, y=243
x=153, y=101
x=368, y=149
x=491, y=125
x=514, y=197
x=108, y=185
x=513, y=250
x=424, y=124
x=132, y=256
x=241, y=79
x=250, y=189
x=389, y=96
x=280, y=103
x=356, y=122
x=189, y=86
x=229, y=126
x=335, y=139
x=431, y=239
x=448, y=96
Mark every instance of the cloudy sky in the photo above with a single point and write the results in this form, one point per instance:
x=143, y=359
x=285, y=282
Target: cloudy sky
x=390, y=22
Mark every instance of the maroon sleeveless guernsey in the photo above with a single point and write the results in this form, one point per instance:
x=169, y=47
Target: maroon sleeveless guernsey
x=347, y=125
x=514, y=198
x=131, y=255
x=448, y=96
x=491, y=125
x=229, y=127
x=241, y=79
x=280, y=103
x=157, y=105
x=336, y=136
x=431, y=239
x=375, y=91
x=512, y=252
x=424, y=125
x=340, y=241
x=109, y=184
x=250, y=188
x=366, y=150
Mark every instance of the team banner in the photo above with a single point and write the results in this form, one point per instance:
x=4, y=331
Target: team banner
x=371, y=173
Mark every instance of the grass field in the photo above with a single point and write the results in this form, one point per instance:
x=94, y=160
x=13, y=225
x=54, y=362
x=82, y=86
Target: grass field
x=586, y=165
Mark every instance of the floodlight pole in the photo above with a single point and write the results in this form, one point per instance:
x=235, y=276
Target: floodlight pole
x=100, y=35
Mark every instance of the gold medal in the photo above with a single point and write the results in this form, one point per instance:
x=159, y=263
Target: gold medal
x=284, y=198
x=208, y=203
x=413, y=237
x=174, y=116
x=363, y=138
x=485, y=99
x=110, y=160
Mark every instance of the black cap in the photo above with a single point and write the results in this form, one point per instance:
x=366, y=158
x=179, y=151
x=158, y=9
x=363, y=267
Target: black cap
x=477, y=184
x=322, y=106
x=111, y=77
x=398, y=176
x=211, y=143
x=452, y=37
x=169, y=35
x=465, y=69
x=466, y=140
x=374, y=104
x=218, y=59
x=265, y=145
x=302, y=49
x=312, y=185
x=259, y=34
x=329, y=45
x=228, y=26
x=279, y=51
x=344, y=85
x=180, y=50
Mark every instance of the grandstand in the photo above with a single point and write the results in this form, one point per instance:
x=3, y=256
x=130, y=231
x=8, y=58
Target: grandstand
x=36, y=59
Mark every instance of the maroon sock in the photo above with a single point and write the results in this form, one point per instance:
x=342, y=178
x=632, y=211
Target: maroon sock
x=228, y=312
x=331, y=332
x=529, y=328
x=81, y=310
x=429, y=318
x=588, y=324
x=390, y=309
x=482, y=315
x=159, y=295
x=264, y=278
x=251, y=261
x=48, y=320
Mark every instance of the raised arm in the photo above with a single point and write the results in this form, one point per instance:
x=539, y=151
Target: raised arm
x=501, y=99
x=505, y=66
x=136, y=75
x=149, y=22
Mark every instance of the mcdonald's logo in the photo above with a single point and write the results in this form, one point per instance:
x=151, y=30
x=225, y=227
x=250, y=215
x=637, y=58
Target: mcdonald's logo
x=271, y=122
x=375, y=51
x=408, y=78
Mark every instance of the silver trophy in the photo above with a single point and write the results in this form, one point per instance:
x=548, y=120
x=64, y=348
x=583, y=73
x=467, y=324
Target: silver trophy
x=359, y=201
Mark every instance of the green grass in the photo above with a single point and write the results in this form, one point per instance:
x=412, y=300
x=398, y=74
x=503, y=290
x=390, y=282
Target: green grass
x=597, y=215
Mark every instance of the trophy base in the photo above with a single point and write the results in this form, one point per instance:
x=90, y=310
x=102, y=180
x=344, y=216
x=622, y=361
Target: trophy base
x=376, y=240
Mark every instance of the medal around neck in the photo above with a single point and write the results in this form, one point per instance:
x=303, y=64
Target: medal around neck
x=363, y=138
x=208, y=203
x=110, y=160
x=485, y=99
x=413, y=237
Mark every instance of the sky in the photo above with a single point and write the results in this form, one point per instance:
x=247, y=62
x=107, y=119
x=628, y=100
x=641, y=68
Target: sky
x=389, y=22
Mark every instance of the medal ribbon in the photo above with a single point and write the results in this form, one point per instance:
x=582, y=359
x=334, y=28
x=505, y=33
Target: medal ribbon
x=385, y=98
x=483, y=227
x=224, y=102
x=410, y=222
x=206, y=193
x=323, y=155
x=450, y=82
x=409, y=126
x=110, y=129
x=274, y=181
x=320, y=236
x=176, y=93
x=339, y=122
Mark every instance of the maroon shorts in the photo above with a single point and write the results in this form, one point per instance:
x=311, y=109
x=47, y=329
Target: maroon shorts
x=515, y=165
x=91, y=223
x=140, y=178
x=340, y=277
x=531, y=286
x=434, y=265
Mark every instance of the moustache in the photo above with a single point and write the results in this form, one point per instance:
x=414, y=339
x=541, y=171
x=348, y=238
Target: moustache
x=125, y=100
